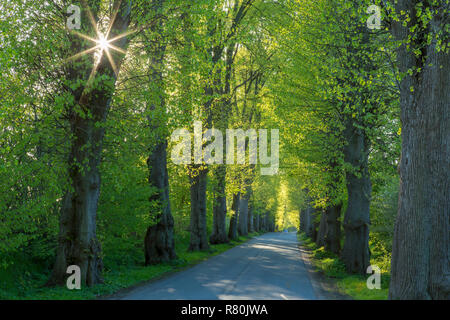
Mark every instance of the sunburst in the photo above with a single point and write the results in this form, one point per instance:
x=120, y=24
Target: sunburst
x=103, y=44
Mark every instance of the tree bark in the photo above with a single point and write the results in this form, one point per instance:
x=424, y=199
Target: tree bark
x=219, y=231
x=243, y=213
x=233, y=234
x=306, y=219
x=219, y=234
x=262, y=225
x=159, y=241
x=243, y=216
x=270, y=222
x=256, y=222
x=198, y=187
x=355, y=253
x=315, y=223
x=159, y=244
x=333, y=229
x=77, y=241
x=251, y=228
x=266, y=222
x=199, y=238
x=322, y=230
x=420, y=267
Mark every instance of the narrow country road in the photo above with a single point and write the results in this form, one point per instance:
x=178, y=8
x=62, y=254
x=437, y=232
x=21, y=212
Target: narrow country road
x=266, y=267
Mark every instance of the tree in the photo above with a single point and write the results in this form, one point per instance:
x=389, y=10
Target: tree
x=159, y=240
x=221, y=29
x=233, y=230
x=78, y=242
x=420, y=253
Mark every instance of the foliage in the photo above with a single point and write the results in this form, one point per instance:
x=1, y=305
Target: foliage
x=305, y=67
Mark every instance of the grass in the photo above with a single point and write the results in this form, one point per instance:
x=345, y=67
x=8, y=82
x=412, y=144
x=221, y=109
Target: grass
x=29, y=286
x=352, y=285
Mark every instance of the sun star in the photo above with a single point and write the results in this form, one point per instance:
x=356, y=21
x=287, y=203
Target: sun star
x=103, y=43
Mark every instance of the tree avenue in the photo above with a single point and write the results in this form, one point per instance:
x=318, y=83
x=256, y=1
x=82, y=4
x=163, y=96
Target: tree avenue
x=137, y=137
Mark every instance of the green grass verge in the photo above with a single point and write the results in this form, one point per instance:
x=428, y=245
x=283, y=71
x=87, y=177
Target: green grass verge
x=30, y=286
x=354, y=286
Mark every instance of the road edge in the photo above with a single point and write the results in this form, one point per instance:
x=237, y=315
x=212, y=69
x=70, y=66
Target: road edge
x=324, y=287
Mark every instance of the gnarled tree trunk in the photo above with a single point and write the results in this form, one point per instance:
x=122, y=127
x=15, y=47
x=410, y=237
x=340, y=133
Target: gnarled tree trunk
x=355, y=253
x=233, y=233
x=307, y=219
x=77, y=241
x=219, y=231
x=270, y=222
x=159, y=240
x=256, y=222
x=251, y=228
x=243, y=213
x=421, y=247
x=322, y=230
x=159, y=244
x=333, y=232
x=315, y=224
x=199, y=238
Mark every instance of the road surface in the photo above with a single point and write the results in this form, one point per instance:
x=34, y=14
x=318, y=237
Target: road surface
x=266, y=267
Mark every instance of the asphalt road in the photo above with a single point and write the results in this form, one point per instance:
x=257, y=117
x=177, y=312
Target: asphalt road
x=266, y=267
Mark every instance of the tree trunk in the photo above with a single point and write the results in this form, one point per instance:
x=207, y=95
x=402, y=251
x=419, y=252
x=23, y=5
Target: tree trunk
x=199, y=238
x=322, y=230
x=233, y=234
x=267, y=225
x=355, y=253
x=271, y=222
x=262, y=225
x=315, y=223
x=420, y=267
x=77, y=241
x=333, y=233
x=78, y=244
x=256, y=222
x=302, y=220
x=243, y=213
x=159, y=241
x=199, y=173
x=243, y=216
x=219, y=231
x=199, y=181
x=306, y=219
x=251, y=228
x=159, y=244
